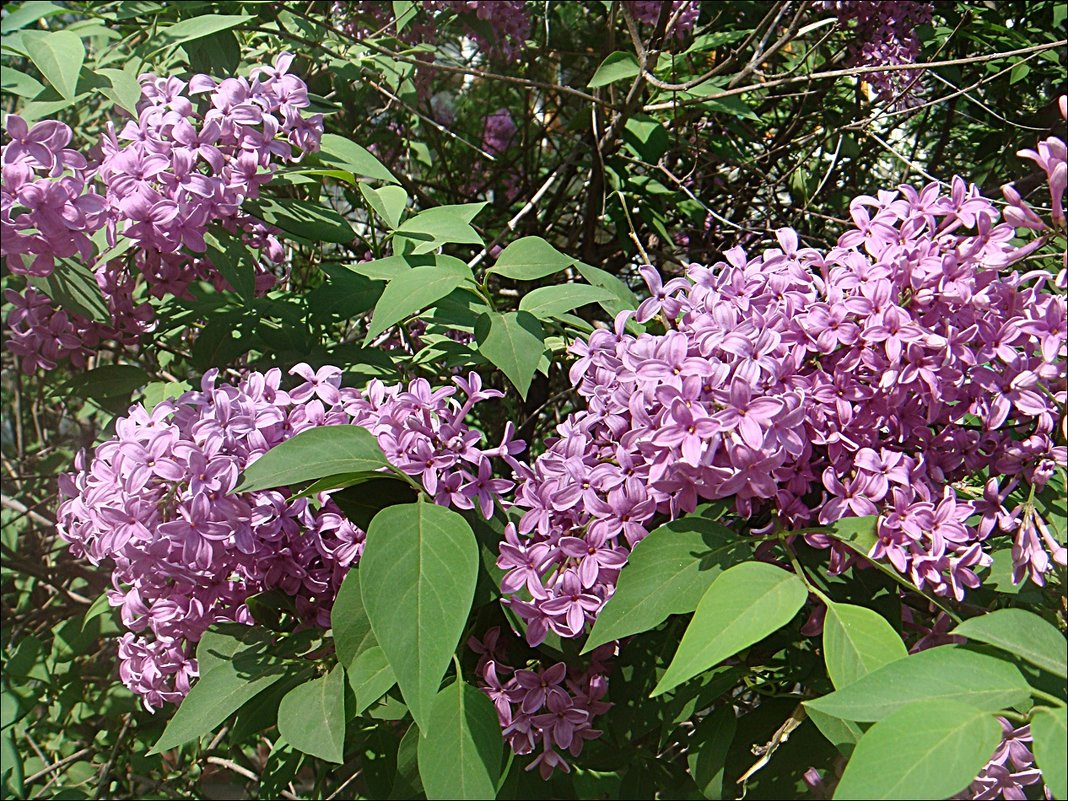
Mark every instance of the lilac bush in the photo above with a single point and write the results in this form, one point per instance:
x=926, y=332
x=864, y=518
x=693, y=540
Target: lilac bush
x=794, y=497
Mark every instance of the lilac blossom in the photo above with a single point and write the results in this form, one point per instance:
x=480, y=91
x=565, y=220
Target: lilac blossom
x=157, y=501
x=867, y=380
x=885, y=33
x=548, y=710
x=498, y=132
x=195, y=152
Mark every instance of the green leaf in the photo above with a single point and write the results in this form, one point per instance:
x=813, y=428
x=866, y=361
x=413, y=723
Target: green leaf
x=71, y=639
x=460, y=751
x=109, y=381
x=392, y=266
x=349, y=622
x=302, y=219
x=234, y=667
x=418, y=573
x=513, y=342
x=1018, y=73
x=344, y=152
x=217, y=54
x=711, y=41
x=99, y=607
x=279, y=770
x=857, y=532
x=312, y=454
x=1023, y=634
x=73, y=287
x=946, y=673
x=158, y=391
x=617, y=66
x=198, y=27
x=345, y=295
x=370, y=676
x=646, y=137
x=26, y=13
x=59, y=56
x=744, y=605
x=1052, y=505
x=407, y=783
x=312, y=716
x=346, y=480
x=440, y=225
x=413, y=291
x=388, y=202
x=403, y=12
x=14, y=82
x=842, y=734
x=923, y=750
x=623, y=297
x=25, y=661
x=300, y=176
x=361, y=502
x=529, y=258
x=666, y=574
x=125, y=88
x=707, y=756
x=733, y=106
x=234, y=261
x=225, y=337
x=857, y=641
x=548, y=301
x=1049, y=727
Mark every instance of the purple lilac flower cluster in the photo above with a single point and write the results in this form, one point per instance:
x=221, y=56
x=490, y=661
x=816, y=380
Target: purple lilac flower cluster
x=498, y=132
x=43, y=335
x=548, y=710
x=157, y=499
x=809, y=386
x=165, y=179
x=181, y=167
x=648, y=12
x=885, y=34
x=46, y=212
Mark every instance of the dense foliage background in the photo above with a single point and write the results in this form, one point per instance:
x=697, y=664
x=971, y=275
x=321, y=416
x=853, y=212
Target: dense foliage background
x=370, y=195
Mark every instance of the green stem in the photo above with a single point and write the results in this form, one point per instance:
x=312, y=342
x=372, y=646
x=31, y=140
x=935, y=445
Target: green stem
x=1044, y=696
x=812, y=588
x=414, y=484
x=482, y=290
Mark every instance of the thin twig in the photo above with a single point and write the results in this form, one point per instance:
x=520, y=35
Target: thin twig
x=771, y=83
x=27, y=511
x=510, y=226
x=57, y=765
x=248, y=774
x=345, y=784
x=105, y=771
